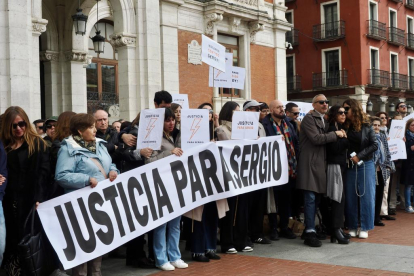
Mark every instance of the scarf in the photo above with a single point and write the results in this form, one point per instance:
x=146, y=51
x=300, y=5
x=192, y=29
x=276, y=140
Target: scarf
x=91, y=146
x=379, y=154
x=289, y=145
x=409, y=134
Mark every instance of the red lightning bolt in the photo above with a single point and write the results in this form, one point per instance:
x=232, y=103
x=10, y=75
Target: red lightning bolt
x=150, y=126
x=195, y=128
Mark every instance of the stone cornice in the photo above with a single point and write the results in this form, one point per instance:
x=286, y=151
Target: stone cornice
x=254, y=28
x=121, y=40
x=211, y=19
x=76, y=56
x=234, y=23
x=49, y=56
x=38, y=25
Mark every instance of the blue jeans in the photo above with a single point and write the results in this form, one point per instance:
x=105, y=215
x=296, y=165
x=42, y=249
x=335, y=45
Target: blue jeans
x=407, y=192
x=2, y=232
x=312, y=200
x=166, y=242
x=358, y=188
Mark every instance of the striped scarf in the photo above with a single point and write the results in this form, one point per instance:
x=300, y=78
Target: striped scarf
x=289, y=146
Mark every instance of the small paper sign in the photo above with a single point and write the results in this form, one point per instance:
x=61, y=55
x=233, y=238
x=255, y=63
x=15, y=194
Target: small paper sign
x=397, y=149
x=194, y=128
x=245, y=125
x=218, y=78
x=397, y=129
x=181, y=99
x=213, y=53
x=238, y=74
x=151, y=126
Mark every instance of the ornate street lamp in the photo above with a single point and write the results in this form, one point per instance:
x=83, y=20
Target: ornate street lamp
x=392, y=107
x=369, y=106
x=79, y=21
x=98, y=40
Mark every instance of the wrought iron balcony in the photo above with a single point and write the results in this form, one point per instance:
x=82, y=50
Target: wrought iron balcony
x=398, y=81
x=396, y=36
x=104, y=100
x=326, y=80
x=410, y=41
x=376, y=30
x=378, y=78
x=397, y=1
x=409, y=4
x=293, y=37
x=329, y=31
x=411, y=84
x=294, y=84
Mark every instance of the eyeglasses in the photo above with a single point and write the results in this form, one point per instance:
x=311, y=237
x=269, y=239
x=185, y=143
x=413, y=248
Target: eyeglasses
x=49, y=126
x=341, y=112
x=40, y=127
x=21, y=124
x=347, y=108
x=322, y=102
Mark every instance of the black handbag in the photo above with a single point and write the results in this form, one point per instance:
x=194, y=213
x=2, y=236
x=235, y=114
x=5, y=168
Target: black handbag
x=32, y=250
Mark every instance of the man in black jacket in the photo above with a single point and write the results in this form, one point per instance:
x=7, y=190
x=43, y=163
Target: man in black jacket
x=276, y=124
x=104, y=132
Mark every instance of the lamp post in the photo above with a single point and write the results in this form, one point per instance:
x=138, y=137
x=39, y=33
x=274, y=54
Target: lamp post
x=369, y=106
x=98, y=40
x=79, y=21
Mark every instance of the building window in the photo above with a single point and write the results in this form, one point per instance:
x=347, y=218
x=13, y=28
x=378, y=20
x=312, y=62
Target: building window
x=232, y=46
x=331, y=20
x=289, y=17
x=411, y=73
x=373, y=12
x=290, y=72
x=394, y=71
x=102, y=73
x=393, y=19
x=332, y=68
x=375, y=74
x=374, y=59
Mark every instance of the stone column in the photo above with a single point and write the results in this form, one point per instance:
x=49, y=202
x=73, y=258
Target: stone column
x=53, y=98
x=384, y=100
x=74, y=96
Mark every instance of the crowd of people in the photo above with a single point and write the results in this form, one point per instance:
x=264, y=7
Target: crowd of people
x=341, y=178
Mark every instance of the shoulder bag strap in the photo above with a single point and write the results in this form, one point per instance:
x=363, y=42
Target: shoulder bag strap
x=99, y=167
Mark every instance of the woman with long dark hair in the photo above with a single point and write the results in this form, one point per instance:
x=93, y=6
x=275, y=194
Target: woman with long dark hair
x=360, y=183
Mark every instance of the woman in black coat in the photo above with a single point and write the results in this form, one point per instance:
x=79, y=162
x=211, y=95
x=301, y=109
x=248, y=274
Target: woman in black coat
x=407, y=172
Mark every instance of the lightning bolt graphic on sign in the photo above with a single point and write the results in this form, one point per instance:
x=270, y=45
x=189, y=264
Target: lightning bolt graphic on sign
x=150, y=126
x=194, y=127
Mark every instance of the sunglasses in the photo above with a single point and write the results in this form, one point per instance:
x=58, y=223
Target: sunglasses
x=322, y=102
x=402, y=105
x=347, y=108
x=21, y=124
x=50, y=126
x=341, y=112
x=295, y=113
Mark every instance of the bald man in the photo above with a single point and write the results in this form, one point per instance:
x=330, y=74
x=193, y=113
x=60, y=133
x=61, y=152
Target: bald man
x=276, y=123
x=104, y=132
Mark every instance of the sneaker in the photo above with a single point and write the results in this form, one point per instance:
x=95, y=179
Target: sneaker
x=200, y=258
x=262, y=241
x=167, y=267
x=409, y=210
x=287, y=233
x=363, y=234
x=353, y=233
x=231, y=251
x=211, y=254
x=247, y=249
x=312, y=240
x=179, y=264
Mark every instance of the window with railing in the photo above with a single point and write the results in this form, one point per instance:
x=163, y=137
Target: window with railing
x=396, y=36
x=376, y=29
x=398, y=81
x=292, y=37
x=330, y=79
x=378, y=78
x=232, y=46
x=294, y=84
x=409, y=4
x=329, y=31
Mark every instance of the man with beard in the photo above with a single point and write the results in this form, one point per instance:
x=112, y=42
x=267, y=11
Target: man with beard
x=312, y=163
x=276, y=124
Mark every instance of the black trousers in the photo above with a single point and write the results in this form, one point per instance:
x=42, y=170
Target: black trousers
x=235, y=236
x=379, y=194
x=135, y=248
x=204, y=235
x=338, y=208
x=257, y=210
x=283, y=196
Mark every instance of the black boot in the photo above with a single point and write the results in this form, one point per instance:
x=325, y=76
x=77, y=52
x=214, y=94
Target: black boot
x=346, y=235
x=337, y=236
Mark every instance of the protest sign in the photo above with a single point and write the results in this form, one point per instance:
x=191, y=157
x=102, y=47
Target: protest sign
x=218, y=78
x=245, y=125
x=213, y=53
x=195, y=128
x=238, y=75
x=397, y=129
x=397, y=149
x=151, y=124
x=88, y=223
x=304, y=108
x=406, y=118
x=181, y=99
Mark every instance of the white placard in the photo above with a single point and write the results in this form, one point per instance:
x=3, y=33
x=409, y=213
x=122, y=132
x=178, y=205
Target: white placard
x=245, y=125
x=397, y=129
x=213, y=53
x=151, y=124
x=218, y=78
x=181, y=99
x=195, y=128
x=304, y=108
x=406, y=118
x=238, y=75
x=397, y=149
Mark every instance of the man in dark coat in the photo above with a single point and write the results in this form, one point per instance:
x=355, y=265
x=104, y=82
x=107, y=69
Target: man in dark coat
x=312, y=162
x=104, y=132
x=276, y=124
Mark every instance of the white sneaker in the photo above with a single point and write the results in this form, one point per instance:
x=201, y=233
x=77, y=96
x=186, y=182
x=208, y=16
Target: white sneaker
x=363, y=234
x=247, y=249
x=409, y=210
x=353, y=233
x=179, y=264
x=231, y=251
x=167, y=267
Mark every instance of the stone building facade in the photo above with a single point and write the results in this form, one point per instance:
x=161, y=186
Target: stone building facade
x=47, y=69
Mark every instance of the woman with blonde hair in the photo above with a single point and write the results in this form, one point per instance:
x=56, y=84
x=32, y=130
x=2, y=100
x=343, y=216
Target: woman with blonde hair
x=28, y=167
x=361, y=181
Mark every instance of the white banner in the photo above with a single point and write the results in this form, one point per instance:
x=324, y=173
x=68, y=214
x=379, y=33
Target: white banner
x=151, y=127
x=397, y=129
x=88, y=223
x=406, y=118
x=195, y=128
x=213, y=53
x=181, y=99
x=238, y=75
x=397, y=149
x=304, y=108
x=245, y=125
x=218, y=78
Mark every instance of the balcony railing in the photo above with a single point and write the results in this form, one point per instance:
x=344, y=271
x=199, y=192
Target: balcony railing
x=104, y=100
x=410, y=41
x=326, y=80
x=397, y=1
x=289, y=1
x=409, y=4
x=329, y=31
x=411, y=84
x=396, y=36
x=292, y=37
x=376, y=30
x=378, y=78
x=398, y=81
x=294, y=84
